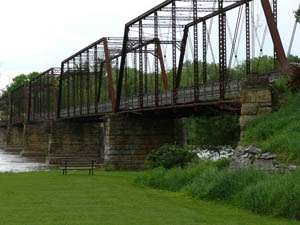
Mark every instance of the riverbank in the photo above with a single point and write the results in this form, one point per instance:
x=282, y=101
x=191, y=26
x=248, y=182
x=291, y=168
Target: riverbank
x=108, y=198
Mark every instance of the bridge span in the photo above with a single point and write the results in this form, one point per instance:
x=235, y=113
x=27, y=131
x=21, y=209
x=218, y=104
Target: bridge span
x=121, y=97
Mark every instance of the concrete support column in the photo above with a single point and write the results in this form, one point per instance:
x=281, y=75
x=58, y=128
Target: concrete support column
x=36, y=139
x=129, y=138
x=256, y=100
x=75, y=140
x=15, y=138
x=3, y=137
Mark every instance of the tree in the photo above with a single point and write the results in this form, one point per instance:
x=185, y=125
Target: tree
x=297, y=15
x=20, y=80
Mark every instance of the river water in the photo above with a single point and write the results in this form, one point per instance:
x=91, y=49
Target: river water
x=14, y=163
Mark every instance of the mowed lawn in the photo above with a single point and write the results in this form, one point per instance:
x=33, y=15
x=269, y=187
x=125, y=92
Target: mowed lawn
x=108, y=198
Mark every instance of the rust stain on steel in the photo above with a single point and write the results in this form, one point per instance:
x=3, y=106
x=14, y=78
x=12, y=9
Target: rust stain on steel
x=108, y=67
x=162, y=66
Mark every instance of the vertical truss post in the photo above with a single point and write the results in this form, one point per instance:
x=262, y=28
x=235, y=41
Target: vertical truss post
x=204, y=63
x=135, y=73
x=108, y=68
x=73, y=86
x=141, y=76
x=174, y=57
x=49, y=89
x=88, y=81
x=181, y=58
x=40, y=91
x=101, y=71
x=196, y=52
x=96, y=77
x=81, y=84
x=29, y=101
x=156, y=59
x=248, y=44
x=122, y=68
x=146, y=69
x=68, y=94
x=60, y=91
x=126, y=80
x=222, y=49
x=275, y=16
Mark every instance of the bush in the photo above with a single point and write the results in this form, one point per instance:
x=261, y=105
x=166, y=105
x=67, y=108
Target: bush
x=169, y=156
x=223, y=185
x=177, y=178
x=213, y=131
x=278, y=195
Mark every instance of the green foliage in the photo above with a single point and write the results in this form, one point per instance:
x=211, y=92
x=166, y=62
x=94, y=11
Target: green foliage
x=21, y=80
x=293, y=59
x=177, y=178
x=169, y=156
x=277, y=195
x=278, y=132
x=223, y=185
x=283, y=85
x=213, y=131
x=297, y=15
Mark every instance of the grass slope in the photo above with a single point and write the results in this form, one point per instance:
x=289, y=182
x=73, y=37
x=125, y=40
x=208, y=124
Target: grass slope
x=278, y=132
x=108, y=198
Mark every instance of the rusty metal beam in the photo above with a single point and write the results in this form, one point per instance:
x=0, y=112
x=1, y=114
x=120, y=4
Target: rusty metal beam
x=162, y=67
x=275, y=34
x=108, y=68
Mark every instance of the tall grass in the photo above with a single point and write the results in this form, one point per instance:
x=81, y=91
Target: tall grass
x=276, y=195
x=278, y=132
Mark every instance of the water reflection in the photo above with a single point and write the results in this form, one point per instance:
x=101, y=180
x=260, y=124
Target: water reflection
x=14, y=163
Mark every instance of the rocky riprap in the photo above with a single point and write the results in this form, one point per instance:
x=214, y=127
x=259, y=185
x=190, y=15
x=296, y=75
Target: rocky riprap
x=251, y=156
x=215, y=153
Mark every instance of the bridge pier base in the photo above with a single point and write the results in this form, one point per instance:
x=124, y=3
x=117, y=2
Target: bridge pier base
x=129, y=138
x=36, y=139
x=256, y=100
x=15, y=138
x=3, y=137
x=75, y=140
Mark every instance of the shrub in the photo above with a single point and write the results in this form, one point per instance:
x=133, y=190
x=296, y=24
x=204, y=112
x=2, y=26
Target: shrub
x=213, y=131
x=223, y=185
x=169, y=156
x=278, y=195
x=177, y=178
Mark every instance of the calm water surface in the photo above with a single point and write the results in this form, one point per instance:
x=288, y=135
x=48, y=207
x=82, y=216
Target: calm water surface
x=14, y=163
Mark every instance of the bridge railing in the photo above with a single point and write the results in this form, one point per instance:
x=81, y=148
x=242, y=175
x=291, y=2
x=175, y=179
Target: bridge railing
x=43, y=96
x=19, y=105
x=87, y=81
x=4, y=110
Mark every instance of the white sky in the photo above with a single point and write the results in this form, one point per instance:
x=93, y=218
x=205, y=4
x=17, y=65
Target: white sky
x=38, y=34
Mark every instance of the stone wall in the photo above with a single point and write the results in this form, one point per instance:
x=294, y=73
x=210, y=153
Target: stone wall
x=256, y=100
x=75, y=140
x=36, y=140
x=3, y=137
x=15, y=138
x=129, y=138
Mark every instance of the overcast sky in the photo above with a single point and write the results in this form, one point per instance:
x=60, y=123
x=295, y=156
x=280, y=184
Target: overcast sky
x=38, y=34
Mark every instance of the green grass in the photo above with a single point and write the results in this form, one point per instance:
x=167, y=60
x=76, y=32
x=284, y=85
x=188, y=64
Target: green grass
x=276, y=195
x=278, y=132
x=108, y=198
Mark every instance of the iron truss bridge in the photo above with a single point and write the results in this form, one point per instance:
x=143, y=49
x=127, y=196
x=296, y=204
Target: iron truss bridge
x=179, y=54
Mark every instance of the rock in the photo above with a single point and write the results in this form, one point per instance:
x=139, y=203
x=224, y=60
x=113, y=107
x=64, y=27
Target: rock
x=251, y=156
x=252, y=149
x=268, y=156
